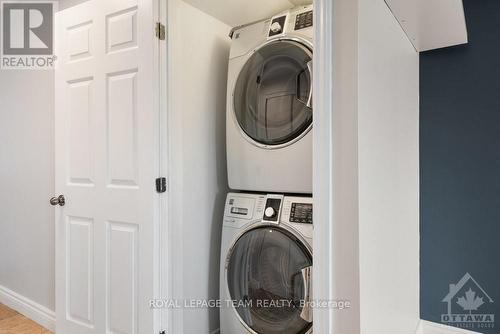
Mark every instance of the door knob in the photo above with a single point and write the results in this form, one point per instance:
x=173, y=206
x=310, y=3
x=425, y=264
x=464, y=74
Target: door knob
x=60, y=200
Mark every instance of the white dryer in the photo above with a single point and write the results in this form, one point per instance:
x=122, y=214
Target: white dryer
x=269, y=109
x=266, y=265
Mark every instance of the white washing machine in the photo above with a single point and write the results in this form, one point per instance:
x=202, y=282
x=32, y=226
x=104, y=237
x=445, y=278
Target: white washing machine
x=266, y=265
x=269, y=108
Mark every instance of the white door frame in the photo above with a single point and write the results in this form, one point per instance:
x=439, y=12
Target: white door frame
x=169, y=233
x=163, y=318
x=323, y=147
x=162, y=253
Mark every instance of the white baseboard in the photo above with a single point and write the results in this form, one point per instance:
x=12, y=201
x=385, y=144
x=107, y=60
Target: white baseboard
x=30, y=309
x=427, y=327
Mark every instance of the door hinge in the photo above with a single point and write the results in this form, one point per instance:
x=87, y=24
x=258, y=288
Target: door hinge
x=160, y=31
x=161, y=185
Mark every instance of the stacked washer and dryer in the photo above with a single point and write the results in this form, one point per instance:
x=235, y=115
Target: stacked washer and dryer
x=266, y=251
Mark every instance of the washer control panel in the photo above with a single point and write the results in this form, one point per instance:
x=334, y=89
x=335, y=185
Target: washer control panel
x=303, y=20
x=301, y=213
x=298, y=212
x=240, y=206
x=272, y=210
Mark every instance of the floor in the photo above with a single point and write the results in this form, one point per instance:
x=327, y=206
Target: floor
x=12, y=322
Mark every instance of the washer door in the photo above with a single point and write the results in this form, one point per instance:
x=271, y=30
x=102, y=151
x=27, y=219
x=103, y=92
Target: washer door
x=273, y=93
x=268, y=276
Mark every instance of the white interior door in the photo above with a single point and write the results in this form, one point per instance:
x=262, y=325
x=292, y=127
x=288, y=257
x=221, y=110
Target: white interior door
x=107, y=159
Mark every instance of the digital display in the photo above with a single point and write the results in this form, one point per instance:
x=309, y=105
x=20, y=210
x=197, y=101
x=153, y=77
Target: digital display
x=239, y=211
x=301, y=213
x=304, y=20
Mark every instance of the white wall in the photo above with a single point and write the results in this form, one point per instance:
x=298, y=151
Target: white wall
x=27, y=242
x=198, y=61
x=375, y=232
x=27, y=183
x=388, y=118
x=27, y=179
x=345, y=168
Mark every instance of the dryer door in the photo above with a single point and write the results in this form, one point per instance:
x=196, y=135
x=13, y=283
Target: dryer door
x=268, y=276
x=272, y=98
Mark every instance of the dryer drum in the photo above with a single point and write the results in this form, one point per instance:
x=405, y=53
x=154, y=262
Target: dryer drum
x=265, y=276
x=273, y=93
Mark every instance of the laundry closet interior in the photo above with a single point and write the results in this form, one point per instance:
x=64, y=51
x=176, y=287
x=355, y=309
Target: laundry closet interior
x=200, y=37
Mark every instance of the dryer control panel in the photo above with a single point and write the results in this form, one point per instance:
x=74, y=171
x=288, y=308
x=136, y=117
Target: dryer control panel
x=303, y=20
x=294, y=20
x=277, y=26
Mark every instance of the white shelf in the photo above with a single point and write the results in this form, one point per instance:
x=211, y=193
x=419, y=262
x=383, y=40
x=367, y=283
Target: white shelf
x=431, y=24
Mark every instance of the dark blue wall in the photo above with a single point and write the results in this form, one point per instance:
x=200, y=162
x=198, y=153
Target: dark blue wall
x=460, y=164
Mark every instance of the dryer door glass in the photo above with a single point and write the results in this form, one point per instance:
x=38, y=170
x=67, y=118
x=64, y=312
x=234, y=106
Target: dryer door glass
x=273, y=93
x=269, y=282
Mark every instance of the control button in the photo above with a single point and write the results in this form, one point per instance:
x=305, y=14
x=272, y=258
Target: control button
x=276, y=27
x=269, y=212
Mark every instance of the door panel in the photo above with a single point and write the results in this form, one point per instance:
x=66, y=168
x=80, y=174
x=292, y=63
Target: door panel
x=107, y=158
x=80, y=270
x=122, y=284
x=80, y=150
x=122, y=129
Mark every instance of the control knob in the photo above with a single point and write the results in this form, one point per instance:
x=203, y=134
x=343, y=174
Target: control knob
x=269, y=212
x=276, y=27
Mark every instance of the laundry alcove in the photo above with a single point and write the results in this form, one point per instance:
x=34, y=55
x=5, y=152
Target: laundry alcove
x=198, y=57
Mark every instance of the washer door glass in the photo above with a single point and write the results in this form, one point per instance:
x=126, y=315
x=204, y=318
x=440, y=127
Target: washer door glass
x=273, y=93
x=268, y=279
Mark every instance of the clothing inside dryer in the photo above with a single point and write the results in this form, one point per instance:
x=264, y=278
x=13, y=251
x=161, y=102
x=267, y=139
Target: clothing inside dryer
x=273, y=93
x=264, y=277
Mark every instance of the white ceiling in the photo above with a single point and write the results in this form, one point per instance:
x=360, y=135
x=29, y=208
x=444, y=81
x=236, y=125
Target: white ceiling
x=238, y=12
